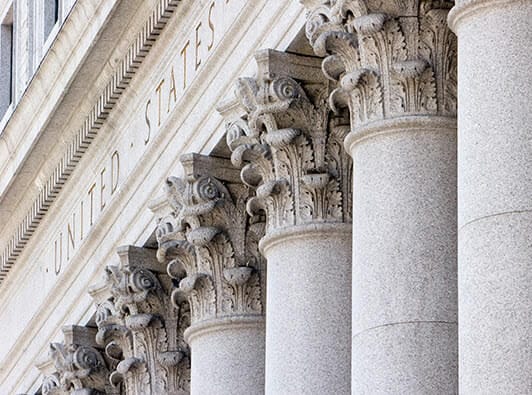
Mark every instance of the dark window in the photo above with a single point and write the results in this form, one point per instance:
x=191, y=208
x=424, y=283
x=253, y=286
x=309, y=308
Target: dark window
x=51, y=16
x=6, y=63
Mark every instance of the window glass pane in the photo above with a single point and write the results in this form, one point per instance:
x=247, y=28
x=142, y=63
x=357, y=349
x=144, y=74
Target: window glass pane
x=51, y=16
x=6, y=65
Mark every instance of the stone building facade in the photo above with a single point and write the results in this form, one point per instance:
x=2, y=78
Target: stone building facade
x=265, y=196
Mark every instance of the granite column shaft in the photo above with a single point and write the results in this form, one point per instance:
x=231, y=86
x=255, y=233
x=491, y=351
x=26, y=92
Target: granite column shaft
x=211, y=246
x=227, y=356
x=289, y=149
x=308, y=307
x=395, y=66
x=404, y=260
x=494, y=194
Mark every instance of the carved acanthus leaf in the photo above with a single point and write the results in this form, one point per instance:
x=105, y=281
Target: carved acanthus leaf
x=79, y=369
x=204, y=243
x=392, y=58
x=51, y=385
x=282, y=144
x=140, y=330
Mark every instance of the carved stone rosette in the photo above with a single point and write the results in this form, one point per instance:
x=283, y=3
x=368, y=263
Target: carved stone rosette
x=80, y=370
x=209, y=243
x=289, y=145
x=141, y=331
x=391, y=58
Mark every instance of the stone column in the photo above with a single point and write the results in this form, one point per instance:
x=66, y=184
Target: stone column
x=80, y=368
x=395, y=63
x=139, y=327
x=289, y=148
x=211, y=247
x=495, y=195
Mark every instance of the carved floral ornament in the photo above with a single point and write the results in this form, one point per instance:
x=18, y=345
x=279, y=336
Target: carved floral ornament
x=391, y=57
x=289, y=149
x=143, y=334
x=80, y=370
x=210, y=246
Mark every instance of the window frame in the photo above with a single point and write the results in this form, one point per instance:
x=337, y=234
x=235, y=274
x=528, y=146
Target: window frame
x=8, y=19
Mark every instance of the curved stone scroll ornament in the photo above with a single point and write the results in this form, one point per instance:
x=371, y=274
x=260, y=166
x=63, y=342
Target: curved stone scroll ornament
x=391, y=58
x=395, y=63
x=290, y=148
x=210, y=246
x=142, y=332
x=80, y=370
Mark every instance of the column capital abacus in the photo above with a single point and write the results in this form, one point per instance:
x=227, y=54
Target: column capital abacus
x=210, y=243
x=79, y=367
x=140, y=330
x=289, y=146
x=391, y=58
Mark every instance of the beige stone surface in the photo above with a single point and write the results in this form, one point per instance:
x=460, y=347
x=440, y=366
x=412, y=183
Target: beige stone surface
x=36, y=302
x=329, y=229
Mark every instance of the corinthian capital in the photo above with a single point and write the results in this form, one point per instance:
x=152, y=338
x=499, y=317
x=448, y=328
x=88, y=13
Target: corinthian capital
x=140, y=330
x=391, y=58
x=80, y=368
x=289, y=145
x=210, y=243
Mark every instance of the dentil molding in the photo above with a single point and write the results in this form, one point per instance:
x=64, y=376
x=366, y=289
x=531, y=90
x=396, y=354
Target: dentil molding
x=94, y=121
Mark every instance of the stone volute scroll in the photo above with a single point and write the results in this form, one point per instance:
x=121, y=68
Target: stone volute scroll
x=210, y=245
x=288, y=146
x=80, y=368
x=396, y=67
x=141, y=331
x=391, y=58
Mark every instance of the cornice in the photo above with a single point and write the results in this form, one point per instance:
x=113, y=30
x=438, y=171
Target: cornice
x=67, y=301
x=467, y=8
x=94, y=121
x=44, y=95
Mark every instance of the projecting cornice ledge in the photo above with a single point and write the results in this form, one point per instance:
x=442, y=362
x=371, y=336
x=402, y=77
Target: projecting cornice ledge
x=49, y=86
x=95, y=119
